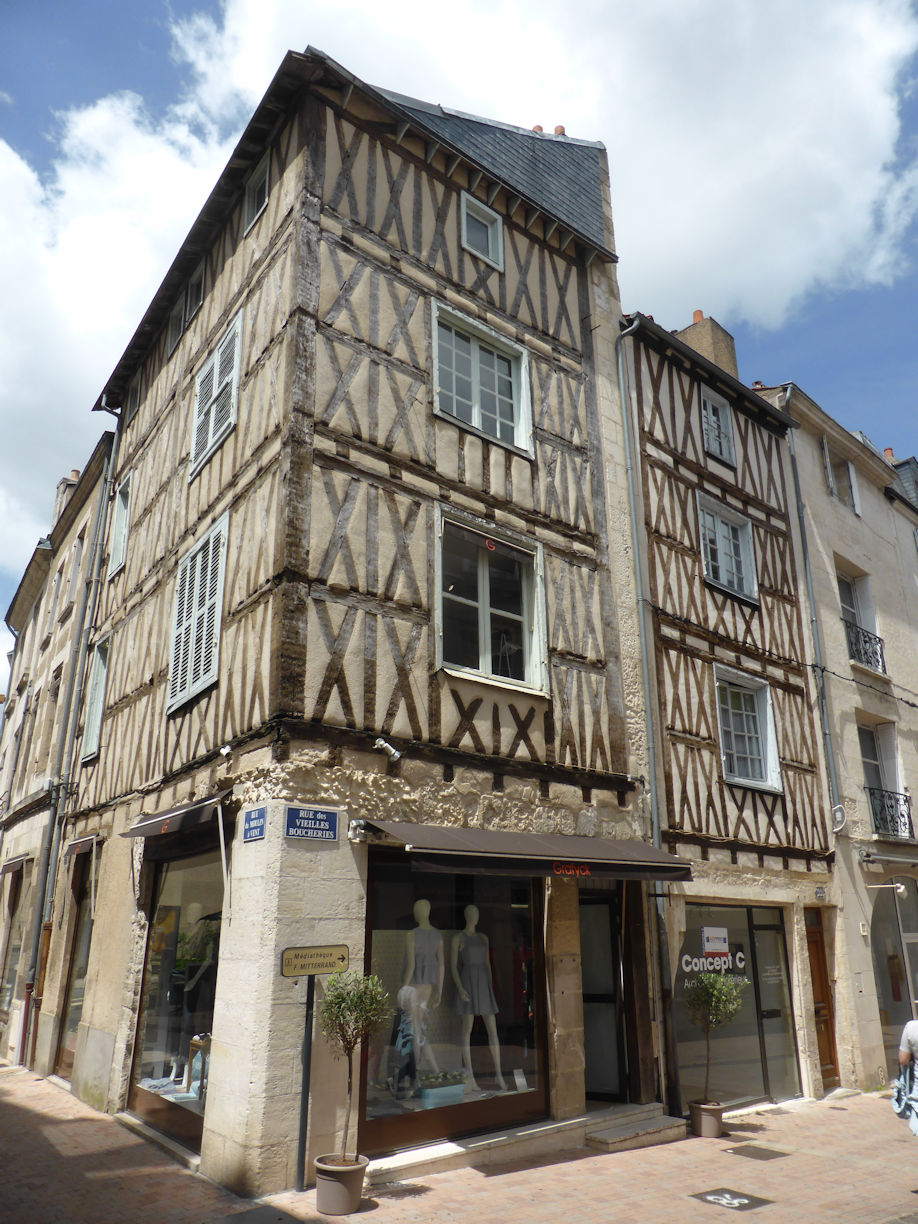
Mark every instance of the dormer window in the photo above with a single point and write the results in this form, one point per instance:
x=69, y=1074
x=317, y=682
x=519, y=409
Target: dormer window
x=482, y=231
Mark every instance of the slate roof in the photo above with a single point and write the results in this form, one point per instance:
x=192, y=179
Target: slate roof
x=562, y=176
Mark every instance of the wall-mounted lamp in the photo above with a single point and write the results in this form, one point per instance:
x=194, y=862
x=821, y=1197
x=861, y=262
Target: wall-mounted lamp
x=392, y=753
x=840, y=817
x=900, y=888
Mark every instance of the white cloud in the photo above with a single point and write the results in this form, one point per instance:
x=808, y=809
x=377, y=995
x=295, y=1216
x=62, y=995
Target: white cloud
x=752, y=148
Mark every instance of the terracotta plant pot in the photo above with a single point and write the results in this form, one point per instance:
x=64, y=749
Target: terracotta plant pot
x=707, y=1119
x=339, y=1187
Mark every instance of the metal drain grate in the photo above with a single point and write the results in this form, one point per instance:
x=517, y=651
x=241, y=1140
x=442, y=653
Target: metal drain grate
x=735, y=1200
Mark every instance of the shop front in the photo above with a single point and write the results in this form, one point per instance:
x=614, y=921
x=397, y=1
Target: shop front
x=458, y=930
x=185, y=871
x=754, y=1057
x=894, y=946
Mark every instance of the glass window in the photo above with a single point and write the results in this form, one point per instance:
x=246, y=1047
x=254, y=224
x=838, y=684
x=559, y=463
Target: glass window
x=726, y=549
x=481, y=379
x=455, y=953
x=487, y=605
x=173, y=1044
x=16, y=908
x=717, y=426
x=482, y=231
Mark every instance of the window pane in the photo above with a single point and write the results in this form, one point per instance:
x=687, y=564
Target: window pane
x=478, y=234
x=507, y=648
x=873, y=775
x=460, y=634
x=454, y=355
x=739, y=724
x=505, y=581
x=497, y=414
x=460, y=565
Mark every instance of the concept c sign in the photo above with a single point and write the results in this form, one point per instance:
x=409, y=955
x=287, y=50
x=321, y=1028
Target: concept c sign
x=695, y=964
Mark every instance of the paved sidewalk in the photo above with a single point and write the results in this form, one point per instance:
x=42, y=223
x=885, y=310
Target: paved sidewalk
x=846, y=1160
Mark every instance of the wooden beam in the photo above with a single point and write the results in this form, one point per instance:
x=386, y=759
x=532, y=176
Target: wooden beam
x=513, y=204
x=432, y=146
x=452, y=164
x=346, y=94
x=532, y=215
x=491, y=193
x=550, y=227
x=401, y=130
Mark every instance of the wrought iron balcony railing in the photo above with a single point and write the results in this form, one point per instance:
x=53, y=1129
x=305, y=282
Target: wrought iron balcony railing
x=865, y=647
x=892, y=813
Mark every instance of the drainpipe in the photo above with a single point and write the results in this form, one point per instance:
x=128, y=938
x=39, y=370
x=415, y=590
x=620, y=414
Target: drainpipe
x=47, y=868
x=669, y=1069
x=831, y=767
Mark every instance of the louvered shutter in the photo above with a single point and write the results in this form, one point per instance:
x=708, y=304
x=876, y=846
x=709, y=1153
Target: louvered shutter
x=827, y=464
x=204, y=394
x=198, y=608
x=95, y=701
x=215, y=395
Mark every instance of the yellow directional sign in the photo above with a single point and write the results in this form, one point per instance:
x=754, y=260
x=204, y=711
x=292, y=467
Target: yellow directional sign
x=307, y=962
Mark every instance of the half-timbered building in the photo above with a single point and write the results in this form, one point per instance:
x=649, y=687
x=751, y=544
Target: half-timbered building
x=360, y=642
x=740, y=778
x=49, y=618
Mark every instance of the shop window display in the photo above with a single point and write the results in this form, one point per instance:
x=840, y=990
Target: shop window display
x=173, y=1045
x=456, y=955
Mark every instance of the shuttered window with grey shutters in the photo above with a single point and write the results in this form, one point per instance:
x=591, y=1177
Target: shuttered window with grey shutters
x=216, y=391
x=198, y=610
x=95, y=702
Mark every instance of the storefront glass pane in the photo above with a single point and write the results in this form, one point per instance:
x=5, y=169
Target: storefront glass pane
x=736, y=1058
x=180, y=983
x=19, y=891
x=889, y=974
x=777, y=1017
x=907, y=903
x=456, y=956
x=73, y=1006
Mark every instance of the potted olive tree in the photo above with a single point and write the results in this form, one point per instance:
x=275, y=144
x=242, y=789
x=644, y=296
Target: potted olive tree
x=353, y=1007
x=712, y=999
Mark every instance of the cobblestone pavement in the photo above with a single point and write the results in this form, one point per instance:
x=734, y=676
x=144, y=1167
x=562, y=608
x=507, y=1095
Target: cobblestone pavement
x=846, y=1160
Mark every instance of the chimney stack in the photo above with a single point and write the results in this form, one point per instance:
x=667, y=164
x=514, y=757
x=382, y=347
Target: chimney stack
x=559, y=130
x=538, y=128
x=707, y=337
x=890, y=455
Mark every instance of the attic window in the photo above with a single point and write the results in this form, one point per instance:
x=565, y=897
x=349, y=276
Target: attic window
x=256, y=193
x=482, y=231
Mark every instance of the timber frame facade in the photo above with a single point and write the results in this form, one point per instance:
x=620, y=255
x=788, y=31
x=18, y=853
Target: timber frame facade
x=740, y=766
x=358, y=579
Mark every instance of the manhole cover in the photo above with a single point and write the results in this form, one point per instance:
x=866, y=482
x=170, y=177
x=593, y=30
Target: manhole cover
x=754, y=1152
x=735, y=1200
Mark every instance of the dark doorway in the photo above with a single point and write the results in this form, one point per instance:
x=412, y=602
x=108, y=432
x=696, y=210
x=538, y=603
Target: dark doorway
x=822, y=999
x=605, y=1073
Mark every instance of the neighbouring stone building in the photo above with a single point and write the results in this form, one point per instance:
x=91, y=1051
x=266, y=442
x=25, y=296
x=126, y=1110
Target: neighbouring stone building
x=859, y=516
x=363, y=657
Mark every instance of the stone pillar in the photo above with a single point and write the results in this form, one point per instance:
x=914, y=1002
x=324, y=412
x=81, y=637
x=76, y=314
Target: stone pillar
x=285, y=893
x=565, y=999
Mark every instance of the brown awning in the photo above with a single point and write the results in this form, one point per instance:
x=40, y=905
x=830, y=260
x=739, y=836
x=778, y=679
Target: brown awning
x=185, y=816
x=493, y=852
x=16, y=864
x=81, y=846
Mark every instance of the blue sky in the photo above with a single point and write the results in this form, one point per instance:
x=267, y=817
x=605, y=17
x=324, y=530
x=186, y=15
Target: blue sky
x=764, y=163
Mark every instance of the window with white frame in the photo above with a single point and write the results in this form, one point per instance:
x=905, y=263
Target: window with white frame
x=95, y=700
x=481, y=379
x=859, y=616
x=256, y=193
x=482, y=231
x=717, y=426
x=55, y=596
x=841, y=477
x=76, y=560
x=132, y=399
x=491, y=595
x=748, y=743
x=186, y=307
x=726, y=548
x=195, y=654
x=215, y=395
x=121, y=513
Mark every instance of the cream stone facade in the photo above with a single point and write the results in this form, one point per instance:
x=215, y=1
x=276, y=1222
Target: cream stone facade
x=859, y=517
x=366, y=643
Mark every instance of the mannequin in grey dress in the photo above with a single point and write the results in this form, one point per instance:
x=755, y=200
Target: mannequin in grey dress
x=471, y=970
x=424, y=972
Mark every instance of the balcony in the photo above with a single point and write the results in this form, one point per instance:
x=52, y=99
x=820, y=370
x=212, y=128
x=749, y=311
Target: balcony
x=892, y=813
x=865, y=647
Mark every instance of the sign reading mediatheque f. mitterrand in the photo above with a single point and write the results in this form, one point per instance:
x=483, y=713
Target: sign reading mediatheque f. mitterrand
x=318, y=824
